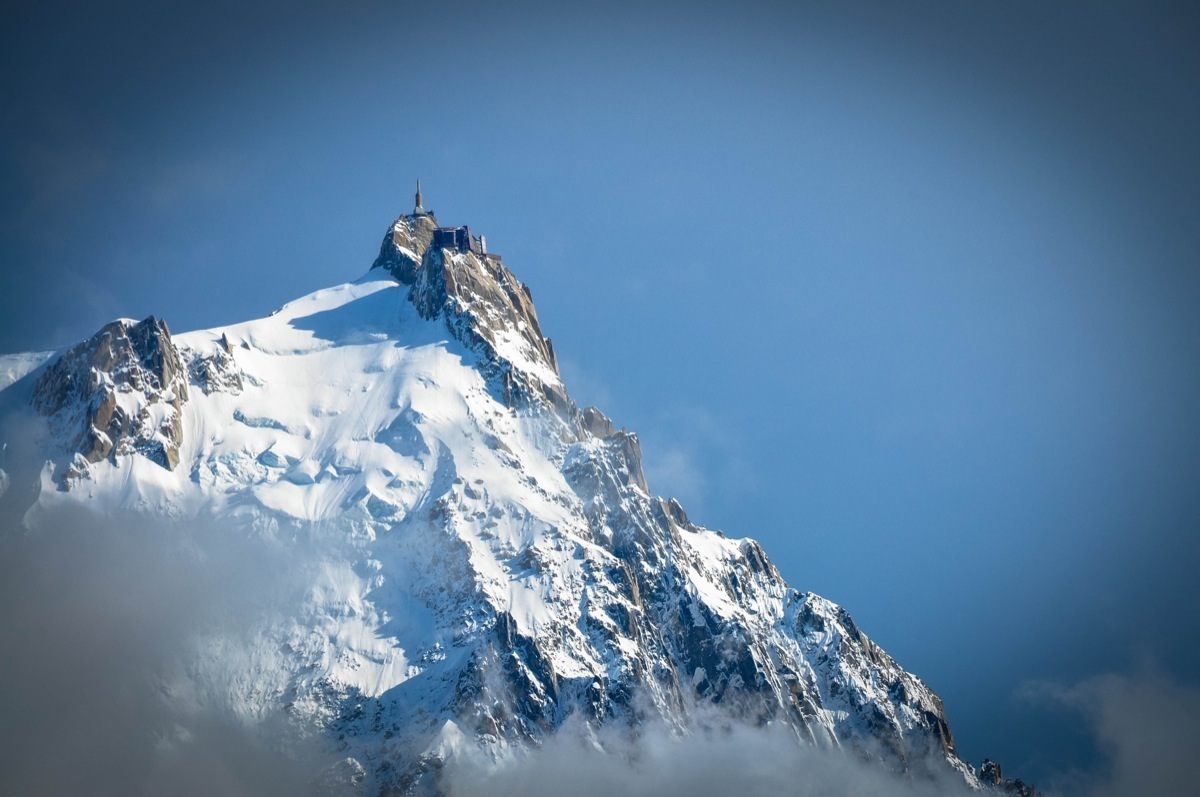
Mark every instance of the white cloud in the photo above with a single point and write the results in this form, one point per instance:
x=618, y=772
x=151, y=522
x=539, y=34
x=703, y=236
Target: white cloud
x=675, y=472
x=689, y=451
x=585, y=387
x=742, y=761
x=1146, y=725
x=100, y=626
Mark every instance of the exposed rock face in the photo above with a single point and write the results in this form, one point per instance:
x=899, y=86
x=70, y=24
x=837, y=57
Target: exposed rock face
x=505, y=564
x=622, y=447
x=748, y=642
x=657, y=617
x=990, y=775
x=667, y=614
x=215, y=371
x=120, y=392
x=595, y=423
x=485, y=307
x=404, y=246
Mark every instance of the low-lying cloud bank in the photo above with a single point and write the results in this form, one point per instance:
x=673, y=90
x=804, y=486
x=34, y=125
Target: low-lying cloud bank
x=102, y=627
x=1147, y=727
x=105, y=627
x=739, y=761
x=123, y=645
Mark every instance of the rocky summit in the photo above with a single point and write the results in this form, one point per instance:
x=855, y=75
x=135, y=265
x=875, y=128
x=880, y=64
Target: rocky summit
x=120, y=392
x=491, y=562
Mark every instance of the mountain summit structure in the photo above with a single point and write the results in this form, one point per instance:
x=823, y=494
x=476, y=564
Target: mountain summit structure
x=494, y=562
x=419, y=207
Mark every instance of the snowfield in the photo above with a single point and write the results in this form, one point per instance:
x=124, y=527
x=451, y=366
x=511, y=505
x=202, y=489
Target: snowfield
x=477, y=563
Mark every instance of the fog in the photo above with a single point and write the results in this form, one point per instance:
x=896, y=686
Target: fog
x=1146, y=726
x=736, y=760
x=106, y=628
x=125, y=652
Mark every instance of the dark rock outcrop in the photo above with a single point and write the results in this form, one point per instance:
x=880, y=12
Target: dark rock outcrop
x=120, y=392
x=485, y=307
x=216, y=371
x=596, y=424
x=991, y=775
x=404, y=246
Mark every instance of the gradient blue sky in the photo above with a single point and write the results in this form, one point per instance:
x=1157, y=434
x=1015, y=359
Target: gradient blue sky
x=907, y=291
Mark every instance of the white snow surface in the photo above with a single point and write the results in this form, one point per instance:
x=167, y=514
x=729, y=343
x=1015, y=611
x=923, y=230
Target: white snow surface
x=470, y=535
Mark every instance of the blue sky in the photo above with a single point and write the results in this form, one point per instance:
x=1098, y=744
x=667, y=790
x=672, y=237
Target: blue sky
x=906, y=291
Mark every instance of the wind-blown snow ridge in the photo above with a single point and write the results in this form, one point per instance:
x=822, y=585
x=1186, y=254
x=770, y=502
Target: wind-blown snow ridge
x=500, y=564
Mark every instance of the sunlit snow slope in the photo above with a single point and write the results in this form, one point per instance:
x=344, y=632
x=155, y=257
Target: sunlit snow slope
x=491, y=560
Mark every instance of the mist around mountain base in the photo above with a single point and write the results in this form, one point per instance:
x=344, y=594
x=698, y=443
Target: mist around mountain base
x=114, y=624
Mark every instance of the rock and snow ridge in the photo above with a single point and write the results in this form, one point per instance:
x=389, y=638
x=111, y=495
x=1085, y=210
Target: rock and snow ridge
x=501, y=563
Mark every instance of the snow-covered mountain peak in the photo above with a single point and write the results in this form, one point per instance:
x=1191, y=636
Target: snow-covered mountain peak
x=490, y=559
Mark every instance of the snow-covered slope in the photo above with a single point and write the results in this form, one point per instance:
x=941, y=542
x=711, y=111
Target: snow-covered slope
x=500, y=564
